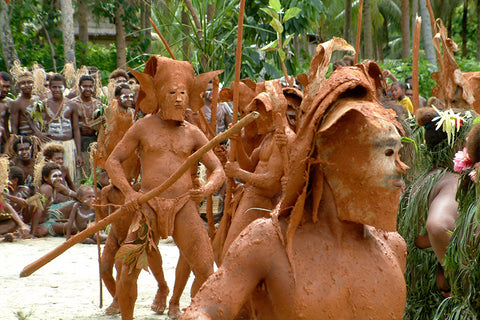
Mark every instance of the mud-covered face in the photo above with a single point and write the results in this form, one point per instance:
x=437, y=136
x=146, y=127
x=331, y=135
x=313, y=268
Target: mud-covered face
x=362, y=166
x=24, y=151
x=264, y=121
x=174, y=102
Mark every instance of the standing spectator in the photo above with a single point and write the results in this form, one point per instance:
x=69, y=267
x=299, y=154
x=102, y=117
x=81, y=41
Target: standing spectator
x=5, y=101
x=60, y=123
x=21, y=121
x=86, y=104
x=398, y=93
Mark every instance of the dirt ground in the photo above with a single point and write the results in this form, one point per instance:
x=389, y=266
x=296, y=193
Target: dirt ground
x=68, y=287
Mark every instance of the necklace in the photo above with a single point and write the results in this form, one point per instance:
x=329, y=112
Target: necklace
x=85, y=216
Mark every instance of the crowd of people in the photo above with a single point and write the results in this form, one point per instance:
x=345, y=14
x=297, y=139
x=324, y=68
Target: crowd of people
x=47, y=132
x=58, y=144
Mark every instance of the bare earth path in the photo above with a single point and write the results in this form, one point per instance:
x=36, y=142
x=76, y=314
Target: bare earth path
x=68, y=287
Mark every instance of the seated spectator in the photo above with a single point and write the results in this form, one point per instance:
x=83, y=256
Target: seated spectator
x=25, y=160
x=82, y=214
x=54, y=152
x=50, y=220
x=397, y=90
x=18, y=193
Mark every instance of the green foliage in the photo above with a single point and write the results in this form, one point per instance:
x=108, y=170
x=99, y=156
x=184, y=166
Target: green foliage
x=403, y=69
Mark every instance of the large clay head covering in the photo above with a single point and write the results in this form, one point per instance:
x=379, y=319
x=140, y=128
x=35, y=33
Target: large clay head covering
x=320, y=111
x=161, y=73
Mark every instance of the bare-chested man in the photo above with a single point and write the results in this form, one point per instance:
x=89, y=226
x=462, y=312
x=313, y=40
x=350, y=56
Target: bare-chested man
x=25, y=160
x=261, y=171
x=164, y=142
x=333, y=252
x=21, y=120
x=60, y=123
x=5, y=101
x=118, y=119
x=86, y=104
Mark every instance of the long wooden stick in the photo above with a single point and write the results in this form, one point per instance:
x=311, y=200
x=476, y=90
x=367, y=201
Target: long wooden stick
x=191, y=160
x=415, y=58
x=359, y=31
x=163, y=39
x=236, y=98
x=213, y=126
x=99, y=249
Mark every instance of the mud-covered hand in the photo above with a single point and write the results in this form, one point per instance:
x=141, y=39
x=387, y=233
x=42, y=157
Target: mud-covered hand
x=197, y=194
x=232, y=169
x=131, y=201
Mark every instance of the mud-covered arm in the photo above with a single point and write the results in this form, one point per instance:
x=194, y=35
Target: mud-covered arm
x=244, y=267
x=216, y=177
x=127, y=146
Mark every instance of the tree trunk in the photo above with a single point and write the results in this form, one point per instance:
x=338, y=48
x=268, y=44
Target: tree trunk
x=427, y=33
x=6, y=39
x=83, y=21
x=478, y=30
x=464, y=28
x=347, y=23
x=367, y=30
x=82, y=14
x=414, y=14
x=68, y=31
x=120, y=37
x=146, y=26
x=405, y=29
x=185, y=44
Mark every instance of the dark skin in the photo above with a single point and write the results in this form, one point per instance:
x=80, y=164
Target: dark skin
x=24, y=159
x=4, y=110
x=85, y=104
x=77, y=222
x=19, y=110
x=71, y=112
x=52, y=185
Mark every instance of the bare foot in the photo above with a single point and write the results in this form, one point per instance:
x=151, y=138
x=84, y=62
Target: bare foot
x=113, y=308
x=174, y=311
x=160, y=302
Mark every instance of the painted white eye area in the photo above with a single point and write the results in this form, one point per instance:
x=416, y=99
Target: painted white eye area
x=124, y=97
x=28, y=84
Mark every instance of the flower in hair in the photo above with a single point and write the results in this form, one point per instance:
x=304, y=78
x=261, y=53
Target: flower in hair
x=450, y=122
x=462, y=161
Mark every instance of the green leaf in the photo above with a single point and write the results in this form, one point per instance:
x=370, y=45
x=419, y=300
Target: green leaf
x=291, y=13
x=275, y=4
x=271, y=46
x=277, y=25
x=270, y=12
x=410, y=140
x=282, y=54
x=287, y=40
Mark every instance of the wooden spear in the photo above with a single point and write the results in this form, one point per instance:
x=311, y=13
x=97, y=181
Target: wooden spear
x=236, y=98
x=191, y=160
x=359, y=31
x=213, y=126
x=163, y=39
x=415, y=58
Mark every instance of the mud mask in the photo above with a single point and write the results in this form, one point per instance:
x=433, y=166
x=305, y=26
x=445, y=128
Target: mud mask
x=174, y=103
x=359, y=159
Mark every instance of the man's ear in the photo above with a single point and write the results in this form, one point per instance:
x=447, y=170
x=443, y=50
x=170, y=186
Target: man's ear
x=195, y=97
x=147, y=98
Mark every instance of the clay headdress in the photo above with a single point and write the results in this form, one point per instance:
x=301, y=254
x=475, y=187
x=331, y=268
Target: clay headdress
x=318, y=113
x=159, y=72
x=454, y=88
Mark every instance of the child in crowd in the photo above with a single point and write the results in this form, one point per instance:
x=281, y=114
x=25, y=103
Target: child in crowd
x=50, y=219
x=82, y=213
x=398, y=93
x=53, y=152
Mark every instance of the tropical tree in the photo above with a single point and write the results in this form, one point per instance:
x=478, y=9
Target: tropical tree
x=405, y=29
x=66, y=9
x=6, y=39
